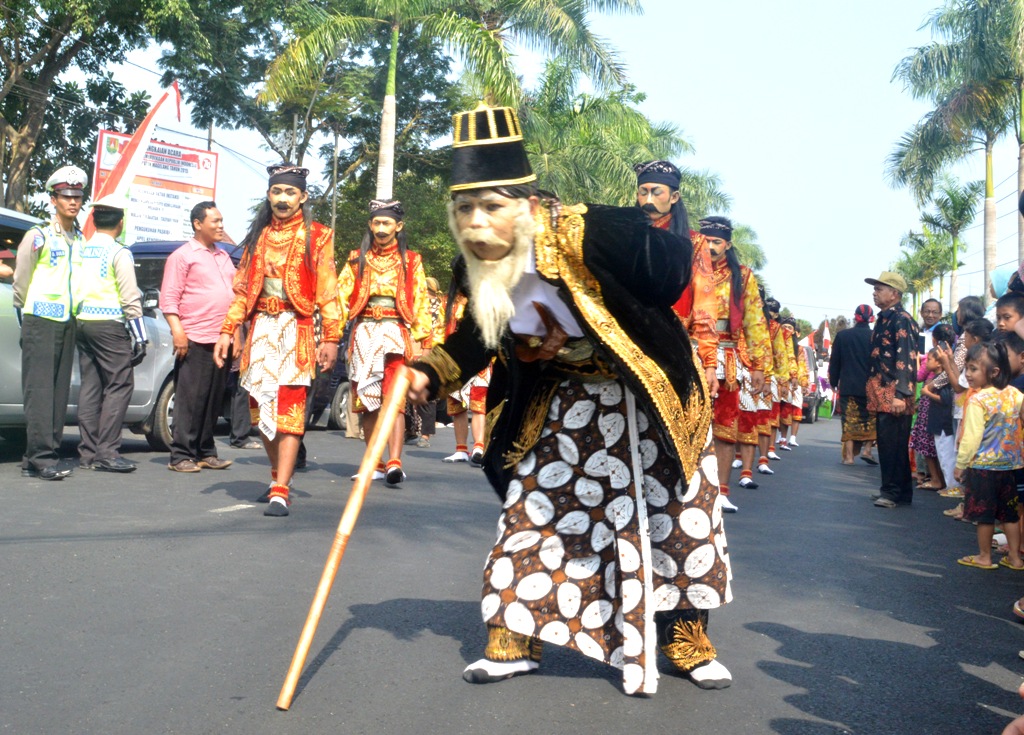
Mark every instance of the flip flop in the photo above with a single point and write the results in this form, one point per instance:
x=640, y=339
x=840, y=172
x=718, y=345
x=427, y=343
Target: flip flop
x=1019, y=612
x=869, y=460
x=970, y=561
x=1005, y=562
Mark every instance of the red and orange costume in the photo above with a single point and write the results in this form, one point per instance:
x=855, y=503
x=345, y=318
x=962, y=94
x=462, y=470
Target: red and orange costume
x=742, y=349
x=278, y=285
x=782, y=356
x=391, y=310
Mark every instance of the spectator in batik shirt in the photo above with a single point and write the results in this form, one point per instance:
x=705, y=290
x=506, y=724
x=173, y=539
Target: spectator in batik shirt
x=891, y=387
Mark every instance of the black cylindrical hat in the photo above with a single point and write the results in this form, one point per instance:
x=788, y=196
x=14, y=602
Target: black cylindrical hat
x=488, y=151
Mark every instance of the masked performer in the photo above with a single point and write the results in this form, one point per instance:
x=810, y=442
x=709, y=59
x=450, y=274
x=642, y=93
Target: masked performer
x=782, y=357
x=384, y=289
x=610, y=540
x=287, y=271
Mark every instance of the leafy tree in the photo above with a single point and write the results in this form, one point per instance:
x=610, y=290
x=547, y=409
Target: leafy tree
x=41, y=40
x=967, y=76
x=584, y=146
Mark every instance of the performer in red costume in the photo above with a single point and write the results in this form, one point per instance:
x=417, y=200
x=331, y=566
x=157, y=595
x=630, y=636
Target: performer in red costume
x=287, y=271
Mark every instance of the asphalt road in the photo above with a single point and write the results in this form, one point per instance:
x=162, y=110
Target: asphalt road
x=165, y=603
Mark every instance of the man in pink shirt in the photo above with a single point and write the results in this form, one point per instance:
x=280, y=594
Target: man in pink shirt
x=194, y=297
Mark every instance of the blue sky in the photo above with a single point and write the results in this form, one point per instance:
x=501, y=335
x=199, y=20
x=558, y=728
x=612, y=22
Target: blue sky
x=790, y=102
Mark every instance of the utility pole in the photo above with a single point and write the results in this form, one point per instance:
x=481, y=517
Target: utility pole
x=334, y=182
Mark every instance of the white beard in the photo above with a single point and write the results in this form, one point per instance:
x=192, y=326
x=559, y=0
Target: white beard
x=491, y=281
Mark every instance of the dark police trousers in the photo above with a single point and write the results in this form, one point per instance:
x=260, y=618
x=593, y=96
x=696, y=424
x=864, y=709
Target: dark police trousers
x=105, y=361
x=47, y=351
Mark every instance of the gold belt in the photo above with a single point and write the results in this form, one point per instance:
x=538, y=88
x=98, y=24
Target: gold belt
x=272, y=305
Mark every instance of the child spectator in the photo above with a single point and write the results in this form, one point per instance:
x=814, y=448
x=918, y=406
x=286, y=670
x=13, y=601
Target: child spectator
x=990, y=451
x=940, y=422
x=1009, y=310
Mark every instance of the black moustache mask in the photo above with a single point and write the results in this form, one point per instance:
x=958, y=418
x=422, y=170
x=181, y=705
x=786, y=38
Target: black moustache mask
x=650, y=208
x=282, y=207
x=381, y=235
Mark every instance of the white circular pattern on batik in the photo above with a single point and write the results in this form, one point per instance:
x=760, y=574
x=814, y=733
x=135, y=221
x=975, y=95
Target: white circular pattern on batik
x=642, y=422
x=620, y=511
x=519, y=619
x=597, y=464
x=611, y=581
x=611, y=393
x=552, y=551
x=502, y=573
x=695, y=523
x=568, y=450
x=578, y=415
x=534, y=586
x=655, y=493
x=596, y=614
x=582, y=568
x=569, y=598
x=588, y=646
x=720, y=545
x=703, y=597
x=629, y=557
x=554, y=475
x=521, y=540
x=632, y=641
x=618, y=473
x=700, y=561
x=501, y=527
x=709, y=466
x=573, y=523
x=555, y=408
x=666, y=597
x=526, y=465
x=589, y=492
x=539, y=508
x=664, y=564
x=612, y=427
x=648, y=453
x=601, y=536
x=556, y=632
x=632, y=594
x=616, y=658
x=716, y=512
x=489, y=605
x=633, y=677
x=661, y=527
x=693, y=488
x=515, y=489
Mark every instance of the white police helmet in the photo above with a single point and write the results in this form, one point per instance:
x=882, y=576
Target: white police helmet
x=68, y=178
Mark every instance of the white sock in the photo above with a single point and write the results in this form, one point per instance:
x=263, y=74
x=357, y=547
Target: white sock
x=279, y=499
x=711, y=675
x=485, y=671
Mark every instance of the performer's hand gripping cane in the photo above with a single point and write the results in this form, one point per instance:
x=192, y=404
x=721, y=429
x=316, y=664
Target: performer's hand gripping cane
x=374, y=450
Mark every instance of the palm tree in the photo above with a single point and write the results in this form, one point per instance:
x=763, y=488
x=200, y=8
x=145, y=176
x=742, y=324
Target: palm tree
x=749, y=250
x=583, y=146
x=936, y=249
x=968, y=77
x=954, y=209
x=478, y=31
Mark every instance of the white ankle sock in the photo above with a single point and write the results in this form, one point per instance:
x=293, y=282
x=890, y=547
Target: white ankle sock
x=711, y=675
x=485, y=672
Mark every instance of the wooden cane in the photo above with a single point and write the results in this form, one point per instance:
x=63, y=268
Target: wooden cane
x=374, y=451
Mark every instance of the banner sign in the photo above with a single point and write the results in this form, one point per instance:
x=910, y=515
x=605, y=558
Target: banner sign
x=171, y=180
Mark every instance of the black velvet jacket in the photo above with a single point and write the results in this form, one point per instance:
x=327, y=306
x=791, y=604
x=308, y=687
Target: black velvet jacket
x=619, y=277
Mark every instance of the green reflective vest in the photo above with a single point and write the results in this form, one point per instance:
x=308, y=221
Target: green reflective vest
x=49, y=292
x=94, y=285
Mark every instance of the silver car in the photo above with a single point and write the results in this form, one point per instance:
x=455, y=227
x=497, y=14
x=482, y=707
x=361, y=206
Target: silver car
x=152, y=404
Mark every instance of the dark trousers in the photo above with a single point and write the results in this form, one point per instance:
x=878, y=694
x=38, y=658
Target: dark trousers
x=894, y=457
x=198, y=399
x=47, y=351
x=105, y=361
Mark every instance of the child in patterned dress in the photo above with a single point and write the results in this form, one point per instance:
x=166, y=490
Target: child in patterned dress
x=990, y=451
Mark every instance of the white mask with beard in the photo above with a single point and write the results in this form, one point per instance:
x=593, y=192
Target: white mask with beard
x=491, y=281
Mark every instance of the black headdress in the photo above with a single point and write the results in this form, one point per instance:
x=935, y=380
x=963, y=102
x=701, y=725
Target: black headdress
x=488, y=151
x=288, y=175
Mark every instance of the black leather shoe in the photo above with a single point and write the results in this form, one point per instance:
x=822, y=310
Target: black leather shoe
x=117, y=464
x=47, y=473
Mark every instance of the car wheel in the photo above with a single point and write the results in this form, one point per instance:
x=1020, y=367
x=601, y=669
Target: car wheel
x=159, y=436
x=339, y=408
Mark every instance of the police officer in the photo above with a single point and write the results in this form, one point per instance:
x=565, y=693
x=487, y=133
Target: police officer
x=110, y=334
x=43, y=301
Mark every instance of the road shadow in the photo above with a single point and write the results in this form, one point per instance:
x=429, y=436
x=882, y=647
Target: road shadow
x=406, y=619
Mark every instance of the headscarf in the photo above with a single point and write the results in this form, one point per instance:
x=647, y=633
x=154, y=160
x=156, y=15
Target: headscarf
x=864, y=314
